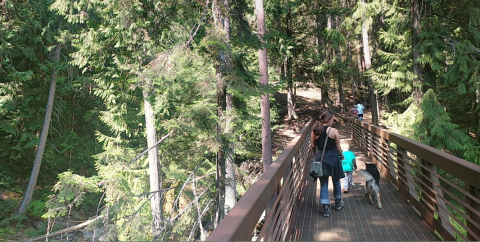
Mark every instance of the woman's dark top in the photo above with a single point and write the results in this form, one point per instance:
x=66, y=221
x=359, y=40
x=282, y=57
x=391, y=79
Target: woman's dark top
x=331, y=145
x=332, y=165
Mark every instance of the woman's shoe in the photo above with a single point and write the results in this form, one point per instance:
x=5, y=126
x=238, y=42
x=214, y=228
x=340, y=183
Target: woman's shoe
x=339, y=204
x=326, y=210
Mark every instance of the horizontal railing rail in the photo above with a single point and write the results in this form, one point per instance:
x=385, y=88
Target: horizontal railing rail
x=444, y=189
x=277, y=193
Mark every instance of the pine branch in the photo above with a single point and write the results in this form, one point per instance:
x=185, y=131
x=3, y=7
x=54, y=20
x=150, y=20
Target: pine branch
x=477, y=50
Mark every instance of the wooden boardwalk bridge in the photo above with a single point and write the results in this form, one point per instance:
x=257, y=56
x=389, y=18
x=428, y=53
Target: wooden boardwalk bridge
x=427, y=195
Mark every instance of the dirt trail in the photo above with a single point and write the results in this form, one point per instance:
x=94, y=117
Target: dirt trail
x=308, y=106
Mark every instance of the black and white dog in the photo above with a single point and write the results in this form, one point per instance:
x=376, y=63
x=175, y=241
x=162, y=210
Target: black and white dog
x=372, y=185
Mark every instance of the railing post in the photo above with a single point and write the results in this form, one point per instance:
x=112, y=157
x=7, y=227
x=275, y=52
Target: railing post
x=388, y=158
x=474, y=232
x=404, y=163
x=426, y=187
x=440, y=203
x=352, y=129
x=364, y=140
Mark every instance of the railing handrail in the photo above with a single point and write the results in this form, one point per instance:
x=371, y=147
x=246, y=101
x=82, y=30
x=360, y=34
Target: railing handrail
x=242, y=219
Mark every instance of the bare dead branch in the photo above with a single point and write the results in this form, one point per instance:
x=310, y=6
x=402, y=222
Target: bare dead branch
x=199, y=23
x=171, y=188
x=147, y=150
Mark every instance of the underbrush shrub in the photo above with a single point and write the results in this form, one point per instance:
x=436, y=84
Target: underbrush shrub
x=7, y=208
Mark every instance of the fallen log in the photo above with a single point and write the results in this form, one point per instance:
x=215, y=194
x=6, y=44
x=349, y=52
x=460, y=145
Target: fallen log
x=84, y=224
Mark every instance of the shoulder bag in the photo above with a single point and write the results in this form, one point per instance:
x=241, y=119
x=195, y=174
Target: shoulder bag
x=316, y=169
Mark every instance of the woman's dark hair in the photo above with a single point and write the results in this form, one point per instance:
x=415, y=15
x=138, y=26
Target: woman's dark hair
x=324, y=118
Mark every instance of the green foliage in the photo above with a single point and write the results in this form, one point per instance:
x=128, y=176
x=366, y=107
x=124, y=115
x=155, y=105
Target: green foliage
x=430, y=124
x=69, y=192
x=437, y=130
x=394, y=71
x=32, y=232
x=7, y=207
x=5, y=232
x=7, y=181
x=29, y=35
x=17, y=220
x=37, y=208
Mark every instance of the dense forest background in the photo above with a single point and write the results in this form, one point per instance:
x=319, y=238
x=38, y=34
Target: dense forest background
x=137, y=114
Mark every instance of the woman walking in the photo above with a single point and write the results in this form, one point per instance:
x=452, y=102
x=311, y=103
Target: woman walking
x=332, y=160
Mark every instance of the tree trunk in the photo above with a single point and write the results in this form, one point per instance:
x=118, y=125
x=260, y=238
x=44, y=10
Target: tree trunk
x=153, y=164
x=417, y=68
x=288, y=71
x=318, y=27
x=230, y=178
x=368, y=65
x=221, y=152
x=353, y=90
x=27, y=198
x=265, y=103
x=341, y=94
x=352, y=78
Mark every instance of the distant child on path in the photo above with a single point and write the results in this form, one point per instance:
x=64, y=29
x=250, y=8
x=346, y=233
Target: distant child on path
x=349, y=164
x=354, y=111
x=360, y=109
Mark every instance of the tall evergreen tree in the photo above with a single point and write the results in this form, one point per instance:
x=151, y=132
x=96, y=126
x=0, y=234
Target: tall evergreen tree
x=43, y=137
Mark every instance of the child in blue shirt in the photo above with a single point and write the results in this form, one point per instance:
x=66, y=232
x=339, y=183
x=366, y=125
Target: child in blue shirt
x=349, y=164
x=360, y=109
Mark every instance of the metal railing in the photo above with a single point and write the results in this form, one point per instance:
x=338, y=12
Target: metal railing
x=277, y=193
x=443, y=189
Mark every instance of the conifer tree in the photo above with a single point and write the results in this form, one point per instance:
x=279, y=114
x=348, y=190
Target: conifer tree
x=43, y=137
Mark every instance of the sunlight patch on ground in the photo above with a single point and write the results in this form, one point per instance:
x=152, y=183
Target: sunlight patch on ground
x=330, y=235
x=289, y=133
x=313, y=93
x=377, y=220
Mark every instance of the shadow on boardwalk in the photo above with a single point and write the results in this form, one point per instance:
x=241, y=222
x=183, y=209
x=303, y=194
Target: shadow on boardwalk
x=359, y=221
